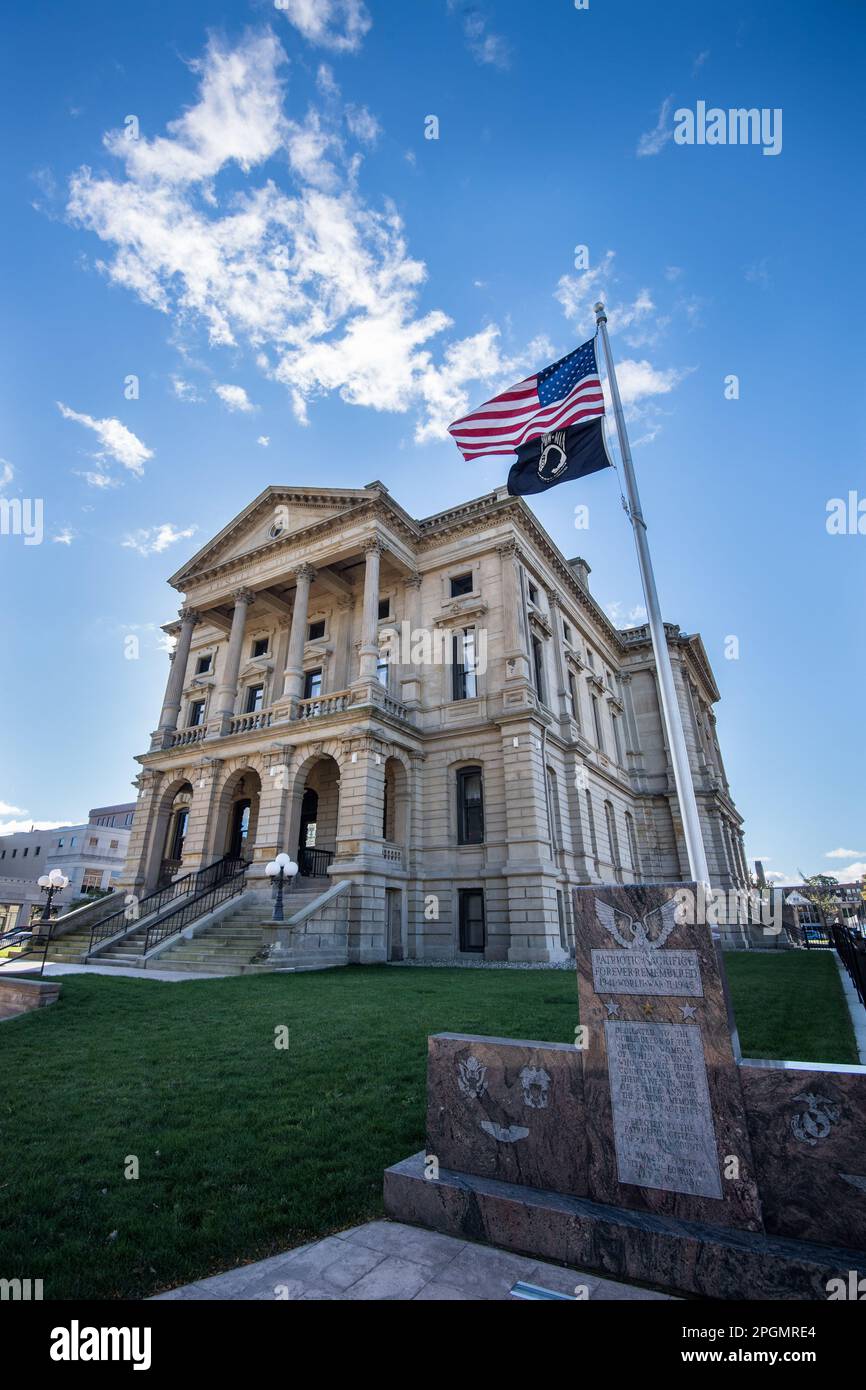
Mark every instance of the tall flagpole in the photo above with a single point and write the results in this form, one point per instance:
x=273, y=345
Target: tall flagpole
x=670, y=705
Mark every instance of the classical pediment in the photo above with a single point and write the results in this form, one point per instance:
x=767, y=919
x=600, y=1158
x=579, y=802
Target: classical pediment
x=276, y=513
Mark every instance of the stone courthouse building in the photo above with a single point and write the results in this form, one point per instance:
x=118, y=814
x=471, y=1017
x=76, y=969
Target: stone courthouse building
x=435, y=710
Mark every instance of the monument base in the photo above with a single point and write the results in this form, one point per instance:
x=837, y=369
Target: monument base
x=682, y=1257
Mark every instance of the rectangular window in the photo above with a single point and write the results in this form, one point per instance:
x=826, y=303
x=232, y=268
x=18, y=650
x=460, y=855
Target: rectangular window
x=470, y=806
x=617, y=738
x=533, y=593
x=560, y=912
x=38, y=850
x=313, y=684
x=255, y=699
x=538, y=666
x=382, y=670
x=464, y=678
x=196, y=714
x=384, y=608
x=113, y=844
x=316, y=631
x=91, y=879
x=60, y=844
x=260, y=646
x=596, y=720
x=572, y=698
x=202, y=666
x=461, y=584
x=590, y=657
x=26, y=852
x=15, y=852
x=94, y=843
x=566, y=632
x=473, y=935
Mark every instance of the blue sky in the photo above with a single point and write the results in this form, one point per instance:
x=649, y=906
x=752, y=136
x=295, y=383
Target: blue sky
x=308, y=290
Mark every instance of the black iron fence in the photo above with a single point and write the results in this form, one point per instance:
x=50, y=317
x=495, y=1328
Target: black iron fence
x=200, y=904
x=314, y=863
x=191, y=883
x=851, y=947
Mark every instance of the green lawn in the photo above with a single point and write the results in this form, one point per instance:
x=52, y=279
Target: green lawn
x=245, y=1149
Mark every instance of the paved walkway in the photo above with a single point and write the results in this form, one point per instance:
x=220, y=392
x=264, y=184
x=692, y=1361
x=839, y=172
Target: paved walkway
x=388, y=1260
x=133, y=973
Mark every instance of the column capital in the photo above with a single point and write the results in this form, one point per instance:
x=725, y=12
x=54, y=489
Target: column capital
x=553, y=598
x=373, y=545
x=305, y=571
x=413, y=581
x=189, y=615
x=510, y=550
x=243, y=596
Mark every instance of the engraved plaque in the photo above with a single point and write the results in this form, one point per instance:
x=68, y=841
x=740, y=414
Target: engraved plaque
x=675, y=973
x=662, y=1120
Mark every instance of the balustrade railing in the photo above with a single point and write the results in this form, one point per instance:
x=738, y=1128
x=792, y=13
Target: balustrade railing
x=318, y=705
x=245, y=723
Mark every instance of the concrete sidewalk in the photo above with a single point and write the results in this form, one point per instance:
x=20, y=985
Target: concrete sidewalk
x=389, y=1260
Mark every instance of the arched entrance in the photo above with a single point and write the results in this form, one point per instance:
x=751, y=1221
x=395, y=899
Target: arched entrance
x=238, y=815
x=395, y=809
x=316, y=805
x=171, y=827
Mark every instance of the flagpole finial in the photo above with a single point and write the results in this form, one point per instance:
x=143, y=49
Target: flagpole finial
x=600, y=315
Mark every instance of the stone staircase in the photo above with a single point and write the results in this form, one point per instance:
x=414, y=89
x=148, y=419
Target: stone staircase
x=229, y=945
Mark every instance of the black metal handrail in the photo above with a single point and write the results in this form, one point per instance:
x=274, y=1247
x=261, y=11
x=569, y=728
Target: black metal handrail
x=198, y=905
x=314, y=863
x=193, y=882
x=852, y=952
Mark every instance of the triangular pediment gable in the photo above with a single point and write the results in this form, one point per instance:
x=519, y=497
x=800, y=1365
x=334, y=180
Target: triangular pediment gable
x=293, y=509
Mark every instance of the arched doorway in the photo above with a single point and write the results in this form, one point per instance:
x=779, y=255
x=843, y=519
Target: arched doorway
x=316, y=804
x=238, y=815
x=172, y=825
x=395, y=807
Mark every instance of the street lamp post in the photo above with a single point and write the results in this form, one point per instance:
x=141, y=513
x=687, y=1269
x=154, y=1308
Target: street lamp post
x=51, y=883
x=281, y=868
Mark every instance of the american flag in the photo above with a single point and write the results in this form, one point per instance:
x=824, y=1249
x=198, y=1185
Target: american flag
x=566, y=393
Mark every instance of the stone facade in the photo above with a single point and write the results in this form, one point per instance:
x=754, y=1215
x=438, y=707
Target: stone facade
x=437, y=710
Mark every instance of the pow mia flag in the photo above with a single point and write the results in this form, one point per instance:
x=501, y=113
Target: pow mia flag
x=559, y=458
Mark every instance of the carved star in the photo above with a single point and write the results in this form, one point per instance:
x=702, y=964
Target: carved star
x=647, y=1008
x=612, y=1009
x=688, y=1010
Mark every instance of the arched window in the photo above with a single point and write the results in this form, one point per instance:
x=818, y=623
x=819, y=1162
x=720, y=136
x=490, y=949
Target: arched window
x=470, y=806
x=591, y=819
x=610, y=818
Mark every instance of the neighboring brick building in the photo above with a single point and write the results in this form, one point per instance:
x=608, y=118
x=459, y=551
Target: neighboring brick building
x=436, y=710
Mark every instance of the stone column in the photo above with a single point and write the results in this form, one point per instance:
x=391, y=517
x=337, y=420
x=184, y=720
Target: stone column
x=293, y=685
x=411, y=676
x=514, y=643
x=226, y=692
x=559, y=655
x=369, y=649
x=179, y=661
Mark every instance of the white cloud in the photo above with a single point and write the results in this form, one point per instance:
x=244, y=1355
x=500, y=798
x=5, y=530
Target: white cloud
x=853, y=871
x=153, y=540
x=653, y=141
x=7, y=810
x=17, y=827
x=7, y=473
x=317, y=283
x=117, y=441
x=264, y=440
x=634, y=617
x=486, y=47
x=235, y=398
x=363, y=124
x=95, y=478
x=699, y=61
x=843, y=853
x=64, y=537
x=185, y=391
x=340, y=25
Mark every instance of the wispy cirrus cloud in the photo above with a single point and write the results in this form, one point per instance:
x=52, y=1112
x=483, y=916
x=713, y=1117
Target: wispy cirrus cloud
x=116, y=441
x=653, y=141
x=153, y=540
x=843, y=853
x=318, y=283
x=340, y=25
